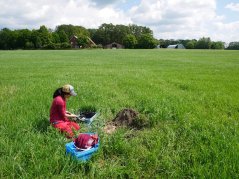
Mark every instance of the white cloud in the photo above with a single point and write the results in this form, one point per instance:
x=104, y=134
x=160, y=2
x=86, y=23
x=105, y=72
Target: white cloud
x=103, y=3
x=184, y=19
x=171, y=19
x=233, y=6
x=32, y=14
x=227, y=32
x=175, y=19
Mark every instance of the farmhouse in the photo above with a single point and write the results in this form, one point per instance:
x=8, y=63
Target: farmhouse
x=114, y=45
x=176, y=46
x=91, y=42
x=73, y=42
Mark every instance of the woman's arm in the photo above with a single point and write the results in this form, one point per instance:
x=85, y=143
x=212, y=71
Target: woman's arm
x=70, y=115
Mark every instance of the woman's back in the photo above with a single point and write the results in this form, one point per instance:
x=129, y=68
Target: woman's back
x=58, y=109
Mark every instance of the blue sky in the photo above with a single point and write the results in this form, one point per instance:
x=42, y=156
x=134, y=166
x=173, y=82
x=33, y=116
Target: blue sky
x=169, y=19
x=229, y=14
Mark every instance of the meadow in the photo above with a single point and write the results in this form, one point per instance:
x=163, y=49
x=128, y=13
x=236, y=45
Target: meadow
x=190, y=98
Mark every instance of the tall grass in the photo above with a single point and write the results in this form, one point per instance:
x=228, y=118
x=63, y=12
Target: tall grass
x=189, y=96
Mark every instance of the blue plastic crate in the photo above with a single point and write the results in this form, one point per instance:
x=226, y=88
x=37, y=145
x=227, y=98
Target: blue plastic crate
x=78, y=154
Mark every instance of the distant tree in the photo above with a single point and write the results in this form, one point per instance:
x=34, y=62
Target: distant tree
x=130, y=41
x=203, y=43
x=162, y=43
x=55, y=37
x=217, y=45
x=8, y=39
x=71, y=30
x=146, y=41
x=65, y=45
x=166, y=43
x=44, y=35
x=29, y=45
x=137, y=31
x=191, y=44
x=24, y=39
x=98, y=37
x=50, y=46
x=120, y=32
x=108, y=33
x=92, y=32
x=104, y=34
x=63, y=37
x=36, y=40
x=233, y=46
x=82, y=41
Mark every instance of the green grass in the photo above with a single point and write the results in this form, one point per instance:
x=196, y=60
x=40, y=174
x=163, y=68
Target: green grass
x=189, y=96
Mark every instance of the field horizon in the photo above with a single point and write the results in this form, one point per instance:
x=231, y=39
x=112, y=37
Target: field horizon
x=189, y=98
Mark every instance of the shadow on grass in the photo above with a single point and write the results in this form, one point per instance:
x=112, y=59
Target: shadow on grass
x=41, y=125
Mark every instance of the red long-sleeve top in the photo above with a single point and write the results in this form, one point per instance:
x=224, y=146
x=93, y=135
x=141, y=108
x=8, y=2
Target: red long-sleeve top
x=58, y=110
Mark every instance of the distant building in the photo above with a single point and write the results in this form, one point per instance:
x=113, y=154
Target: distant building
x=158, y=46
x=114, y=45
x=74, y=44
x=73, y=41
x=91, y=42
x=176, y=46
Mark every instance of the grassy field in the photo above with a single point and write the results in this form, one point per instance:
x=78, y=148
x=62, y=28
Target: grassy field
x=190, y=98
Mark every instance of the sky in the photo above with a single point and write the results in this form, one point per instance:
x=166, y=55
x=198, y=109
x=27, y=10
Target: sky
x=169, y=19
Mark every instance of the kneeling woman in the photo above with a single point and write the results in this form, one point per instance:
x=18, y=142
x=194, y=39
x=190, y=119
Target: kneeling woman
x=58, y=114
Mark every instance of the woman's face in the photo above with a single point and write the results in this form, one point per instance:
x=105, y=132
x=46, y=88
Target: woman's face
x=67, y=96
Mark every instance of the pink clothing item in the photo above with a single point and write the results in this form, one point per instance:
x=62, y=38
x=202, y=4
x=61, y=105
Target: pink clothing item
x=58, y=117
x=67, y=128
x=85, y=141
x=58, y=110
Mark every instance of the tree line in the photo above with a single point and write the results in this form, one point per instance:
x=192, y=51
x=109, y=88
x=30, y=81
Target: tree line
x=131, y=36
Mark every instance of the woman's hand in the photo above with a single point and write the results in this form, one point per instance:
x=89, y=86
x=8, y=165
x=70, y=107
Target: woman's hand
x=67, y=112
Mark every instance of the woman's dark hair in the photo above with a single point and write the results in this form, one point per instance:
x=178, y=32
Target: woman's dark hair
x=58, y=92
